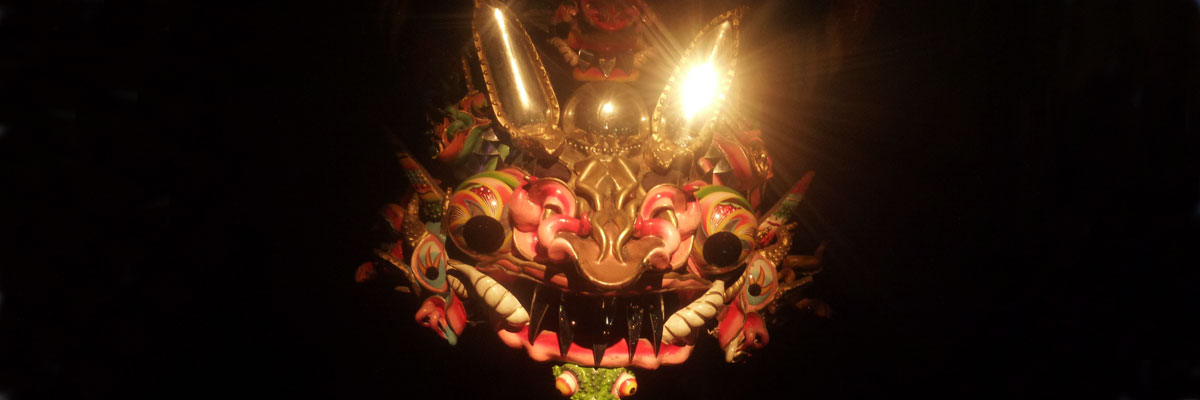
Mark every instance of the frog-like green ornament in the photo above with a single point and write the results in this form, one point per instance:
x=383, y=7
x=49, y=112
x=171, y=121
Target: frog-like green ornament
x=583, y=383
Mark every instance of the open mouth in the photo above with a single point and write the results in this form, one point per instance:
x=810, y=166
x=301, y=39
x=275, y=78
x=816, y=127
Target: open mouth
x=597, y=330
x=605, y=233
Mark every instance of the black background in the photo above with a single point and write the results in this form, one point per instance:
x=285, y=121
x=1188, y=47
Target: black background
x=1009, y=188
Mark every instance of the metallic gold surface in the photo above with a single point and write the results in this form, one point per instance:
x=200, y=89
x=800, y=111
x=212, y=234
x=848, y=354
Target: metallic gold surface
x=605, y=118
x=516, y=80
x=612, y=210
x=679, y=126
x=609, y=185
x=776, y=252
x=414, y=229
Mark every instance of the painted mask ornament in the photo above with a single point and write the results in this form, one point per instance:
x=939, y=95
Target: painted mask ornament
x=605, y=236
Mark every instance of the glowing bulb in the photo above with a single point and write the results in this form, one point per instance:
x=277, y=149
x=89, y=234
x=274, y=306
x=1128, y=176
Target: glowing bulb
x=607, y=108
x=699, y=89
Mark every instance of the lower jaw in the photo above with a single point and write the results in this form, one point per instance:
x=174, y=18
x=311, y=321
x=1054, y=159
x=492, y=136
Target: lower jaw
x=545, y=348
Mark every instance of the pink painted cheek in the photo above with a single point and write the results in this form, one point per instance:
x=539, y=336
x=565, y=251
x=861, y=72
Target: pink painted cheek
x=730, y=326
x=526, y=244
x=456, y=315
x=681, y=253
x=525, y=213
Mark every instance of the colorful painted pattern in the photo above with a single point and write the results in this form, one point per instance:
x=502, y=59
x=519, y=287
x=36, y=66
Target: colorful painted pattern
x=426, y=190
x=485, y=194
x=582, y=383
x=760, y=284
x=597, y=236
x=786, y=209
x=429, y=264
x=461, y=131
x=723, y=209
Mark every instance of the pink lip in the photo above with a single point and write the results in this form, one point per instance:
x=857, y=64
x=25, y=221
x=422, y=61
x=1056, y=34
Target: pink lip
x=545, y=348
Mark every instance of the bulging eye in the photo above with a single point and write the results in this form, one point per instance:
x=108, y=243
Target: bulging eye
x=566, y=383
x=428, y=264
x=625, y=386
x=483, y=233
x=726, y=234
x=722, y=249
x=477, y=216
x=759, y=285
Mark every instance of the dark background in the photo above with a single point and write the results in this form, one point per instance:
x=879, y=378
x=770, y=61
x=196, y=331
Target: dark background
x=1009, y=188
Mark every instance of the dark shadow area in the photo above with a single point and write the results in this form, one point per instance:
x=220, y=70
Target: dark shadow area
x=1011, y=191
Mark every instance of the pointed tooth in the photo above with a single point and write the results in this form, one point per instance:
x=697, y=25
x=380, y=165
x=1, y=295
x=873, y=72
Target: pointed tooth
x=564, y=327
x=598, y=352
x=722, y=167
x=538, y=308
x=655, y=309
x=633, y=319
x=585, y=59
x=608, y=315
x=606, y=66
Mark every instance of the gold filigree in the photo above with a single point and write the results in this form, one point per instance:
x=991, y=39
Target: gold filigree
x=671, y=138
x=522, y=98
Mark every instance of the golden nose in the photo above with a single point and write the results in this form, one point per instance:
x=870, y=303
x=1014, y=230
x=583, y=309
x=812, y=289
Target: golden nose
x=607, y=260
x=607, y=272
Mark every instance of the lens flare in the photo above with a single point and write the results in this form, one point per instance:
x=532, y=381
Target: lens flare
x=699, y=89
x=512, y=59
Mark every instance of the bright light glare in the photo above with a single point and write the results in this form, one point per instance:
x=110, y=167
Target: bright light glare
x=699, y=89
x=512, y=59
x=607, y=108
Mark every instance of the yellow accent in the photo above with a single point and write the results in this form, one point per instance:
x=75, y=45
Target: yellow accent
x=563, y=387
x=629, y=389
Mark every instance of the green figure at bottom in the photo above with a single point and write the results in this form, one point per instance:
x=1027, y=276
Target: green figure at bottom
x=585, y=383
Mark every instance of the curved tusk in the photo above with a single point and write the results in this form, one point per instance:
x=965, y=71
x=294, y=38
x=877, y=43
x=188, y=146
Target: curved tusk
x=495, y=295
x=733, y=349
x=458, y=288
x=735, y=287
x=695, y=315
